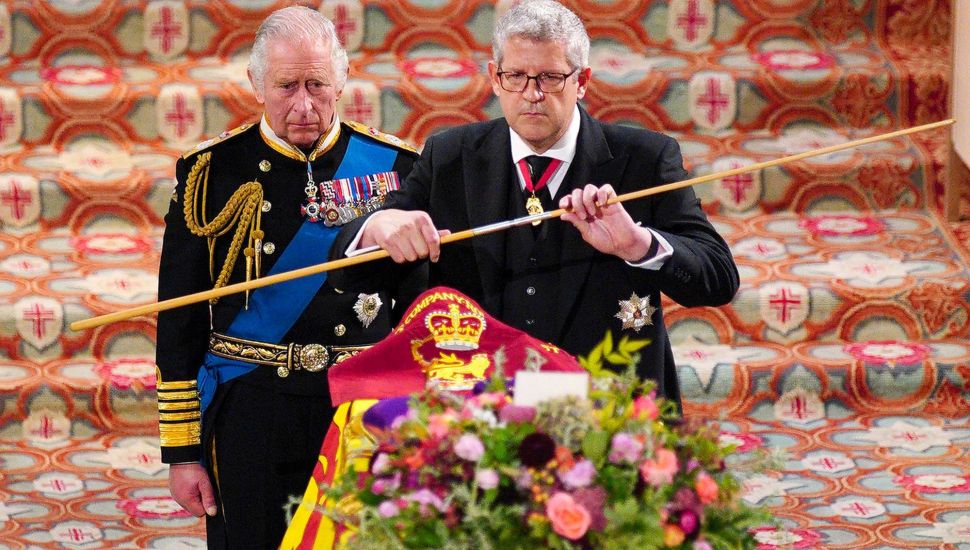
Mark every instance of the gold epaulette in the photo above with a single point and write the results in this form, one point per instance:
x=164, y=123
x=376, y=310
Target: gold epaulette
x=380, y=136
x=203, y=145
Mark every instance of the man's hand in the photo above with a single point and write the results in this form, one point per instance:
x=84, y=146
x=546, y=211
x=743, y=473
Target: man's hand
x=190, y=487
x=607, y=228
x=406, y=235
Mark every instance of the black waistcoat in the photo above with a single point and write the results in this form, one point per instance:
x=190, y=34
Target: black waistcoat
x=532, y=256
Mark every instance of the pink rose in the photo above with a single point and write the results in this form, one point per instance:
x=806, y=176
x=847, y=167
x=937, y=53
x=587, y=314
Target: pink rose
x=645, y=407
x=568, y=518
x=486, y=478
x=706, y=488
x=388, y=509
x=440, y=424
x=661, y=470
x=625, y=448
x=580, y=475
x=470, y=448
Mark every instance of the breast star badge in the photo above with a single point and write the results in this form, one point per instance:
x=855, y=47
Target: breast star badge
x=366, y=308
x=636, y=312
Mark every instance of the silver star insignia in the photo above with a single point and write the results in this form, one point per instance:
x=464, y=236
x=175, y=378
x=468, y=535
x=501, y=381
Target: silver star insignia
x=636, y=312
x=366, y=308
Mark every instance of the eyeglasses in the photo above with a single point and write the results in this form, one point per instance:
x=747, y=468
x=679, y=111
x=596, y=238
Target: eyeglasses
x=549, y=83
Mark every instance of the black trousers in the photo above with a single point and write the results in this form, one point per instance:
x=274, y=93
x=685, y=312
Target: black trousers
x=262, y=446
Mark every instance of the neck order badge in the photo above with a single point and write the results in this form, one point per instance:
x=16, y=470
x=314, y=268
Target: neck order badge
x=528, y=167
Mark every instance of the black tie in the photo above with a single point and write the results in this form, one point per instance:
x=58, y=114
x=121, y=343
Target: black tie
x=537, y=167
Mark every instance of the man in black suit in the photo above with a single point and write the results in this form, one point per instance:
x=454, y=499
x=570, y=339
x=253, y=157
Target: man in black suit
x=566, y=283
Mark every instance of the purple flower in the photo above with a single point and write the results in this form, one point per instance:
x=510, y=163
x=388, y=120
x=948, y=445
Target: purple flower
x=470, y=448
x=388, y=509
x=625, y=448
x=487, y=478
x=702, y=545
x=580, y=475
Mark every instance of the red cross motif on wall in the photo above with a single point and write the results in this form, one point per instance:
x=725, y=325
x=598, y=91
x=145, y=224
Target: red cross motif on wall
x=16, y=198
x=180, y=117
x=798, y=408
x=858, y=508
x=6, y=119
x=46, y=430
x=714, y=100
x=343, y=23
x=826, y=463
x=359, y=108
x=763, y=249
x=54, y=485
x=908, y=437
x=143, y=458
x=166, y=29
x=691, y=20
x=697, y=354
x=81, y=534
x=784, y=302
x=738, y=185
x=39, y=317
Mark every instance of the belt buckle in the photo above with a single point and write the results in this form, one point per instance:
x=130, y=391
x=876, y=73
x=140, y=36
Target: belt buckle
x=314, y=357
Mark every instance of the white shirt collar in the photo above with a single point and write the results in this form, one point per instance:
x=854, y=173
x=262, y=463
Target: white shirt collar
x=564, y=149
x=322, y=144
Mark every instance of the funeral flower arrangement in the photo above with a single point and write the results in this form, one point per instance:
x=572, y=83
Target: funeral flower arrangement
x=615, y=469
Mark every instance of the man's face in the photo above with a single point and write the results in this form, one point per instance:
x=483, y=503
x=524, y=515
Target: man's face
x=299, y=91
x=540, y=118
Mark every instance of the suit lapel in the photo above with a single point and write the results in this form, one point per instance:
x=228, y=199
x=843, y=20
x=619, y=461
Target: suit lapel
x=592, y=153
x=486, y=176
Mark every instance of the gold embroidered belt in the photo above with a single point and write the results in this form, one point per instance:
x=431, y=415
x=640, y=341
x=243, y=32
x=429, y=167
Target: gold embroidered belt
x=285, y=357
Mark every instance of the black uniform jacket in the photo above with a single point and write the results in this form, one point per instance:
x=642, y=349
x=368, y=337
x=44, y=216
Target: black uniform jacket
x=183, y=333
x=461, y=181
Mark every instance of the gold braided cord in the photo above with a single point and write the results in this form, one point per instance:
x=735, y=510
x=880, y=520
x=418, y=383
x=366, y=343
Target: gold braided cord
x=242, y=212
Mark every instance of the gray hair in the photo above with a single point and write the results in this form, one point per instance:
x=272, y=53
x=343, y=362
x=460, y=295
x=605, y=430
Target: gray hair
x=293, y=24
x=543, y=21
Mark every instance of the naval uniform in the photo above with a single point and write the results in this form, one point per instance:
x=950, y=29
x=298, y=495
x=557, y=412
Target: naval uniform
x=242, y=383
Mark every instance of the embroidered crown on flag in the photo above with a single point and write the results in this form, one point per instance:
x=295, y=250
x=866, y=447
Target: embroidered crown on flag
x=445, y=338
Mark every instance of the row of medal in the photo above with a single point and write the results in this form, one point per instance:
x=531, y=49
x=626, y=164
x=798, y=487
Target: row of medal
x=339, y=201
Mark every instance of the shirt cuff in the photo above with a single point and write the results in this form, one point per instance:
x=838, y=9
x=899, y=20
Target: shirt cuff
x=655, y=262
x=353, y=248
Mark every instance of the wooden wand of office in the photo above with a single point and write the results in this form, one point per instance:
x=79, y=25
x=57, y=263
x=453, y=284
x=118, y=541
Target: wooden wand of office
x=377, y=253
